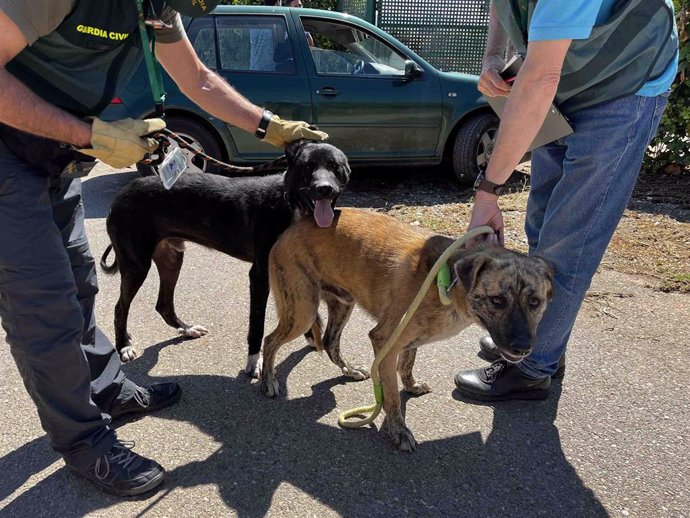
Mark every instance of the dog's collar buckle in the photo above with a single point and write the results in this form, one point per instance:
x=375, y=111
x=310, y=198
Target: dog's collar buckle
x=444, y=284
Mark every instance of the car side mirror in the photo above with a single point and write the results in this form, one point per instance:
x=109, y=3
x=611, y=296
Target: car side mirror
x=412, y=69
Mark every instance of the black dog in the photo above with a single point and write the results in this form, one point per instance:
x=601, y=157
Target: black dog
x=241, y=216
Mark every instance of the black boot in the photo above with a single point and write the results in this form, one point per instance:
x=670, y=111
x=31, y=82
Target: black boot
x=143, y=400
x=501, y=381
x=489, y=352
x=122, y=472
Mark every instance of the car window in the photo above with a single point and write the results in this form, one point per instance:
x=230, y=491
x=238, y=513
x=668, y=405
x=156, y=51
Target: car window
x=340, y=48
x=202, y=35
x=254, y=43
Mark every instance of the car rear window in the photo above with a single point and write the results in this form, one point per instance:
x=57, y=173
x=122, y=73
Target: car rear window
x=255, y=43
x=243, y=43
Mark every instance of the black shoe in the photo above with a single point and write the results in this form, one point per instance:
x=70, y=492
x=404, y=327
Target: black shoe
x=122, y=472
x=489, y=352
x=147, y=399
x=501, y=381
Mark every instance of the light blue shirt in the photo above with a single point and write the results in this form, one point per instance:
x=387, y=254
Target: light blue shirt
x=574, y=20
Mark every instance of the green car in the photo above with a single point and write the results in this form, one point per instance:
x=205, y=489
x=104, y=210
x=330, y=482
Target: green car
x=380, y=102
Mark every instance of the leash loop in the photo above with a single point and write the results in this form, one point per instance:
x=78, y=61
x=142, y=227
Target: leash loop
x=165, y=136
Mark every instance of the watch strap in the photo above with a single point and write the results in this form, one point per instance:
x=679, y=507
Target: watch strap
x=263, y=124
x=490, y=187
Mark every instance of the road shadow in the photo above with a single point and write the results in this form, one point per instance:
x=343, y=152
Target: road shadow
x=520, y=470
x=383, y=188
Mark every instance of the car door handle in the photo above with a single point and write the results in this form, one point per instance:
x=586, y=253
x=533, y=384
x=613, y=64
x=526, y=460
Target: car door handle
x=328, y=91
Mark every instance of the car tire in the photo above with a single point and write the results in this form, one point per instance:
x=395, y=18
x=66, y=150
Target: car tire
x=198, y=136
x=473, y=145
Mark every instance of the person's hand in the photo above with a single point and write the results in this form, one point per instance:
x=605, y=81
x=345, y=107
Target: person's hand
x=124, y=142
x=491, y=84
x=485, y=211
x=281, y=132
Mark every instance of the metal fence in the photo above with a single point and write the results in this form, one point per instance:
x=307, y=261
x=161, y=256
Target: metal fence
x=450, y=34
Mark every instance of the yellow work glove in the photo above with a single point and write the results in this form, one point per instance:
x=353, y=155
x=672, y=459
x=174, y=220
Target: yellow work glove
x=280, y=132
x=123, y=143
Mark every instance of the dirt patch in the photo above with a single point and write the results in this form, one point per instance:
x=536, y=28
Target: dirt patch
x=652, y=239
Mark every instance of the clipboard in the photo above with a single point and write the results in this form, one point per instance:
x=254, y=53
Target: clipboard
x=555, y=124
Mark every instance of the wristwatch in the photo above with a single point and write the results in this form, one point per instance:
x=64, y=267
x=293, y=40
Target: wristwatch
x=482, y=184
x=263, y=124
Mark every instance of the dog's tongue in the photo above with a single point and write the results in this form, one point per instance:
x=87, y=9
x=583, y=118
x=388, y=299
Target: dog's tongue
x=323, y=213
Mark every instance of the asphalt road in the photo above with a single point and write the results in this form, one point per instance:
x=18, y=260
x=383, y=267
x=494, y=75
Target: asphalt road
x=612, y=440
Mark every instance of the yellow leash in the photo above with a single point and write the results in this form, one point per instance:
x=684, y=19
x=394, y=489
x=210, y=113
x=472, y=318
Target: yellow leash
x=373, y=410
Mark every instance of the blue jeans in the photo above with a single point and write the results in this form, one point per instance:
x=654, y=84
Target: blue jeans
x=580, y=186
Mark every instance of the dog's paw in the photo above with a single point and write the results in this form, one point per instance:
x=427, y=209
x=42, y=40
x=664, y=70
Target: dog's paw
x=269, y=386
x=193, y=331
x=356, y=373
x=255, y=363
x=128, y=353
x=418, y=388
x=402, y=437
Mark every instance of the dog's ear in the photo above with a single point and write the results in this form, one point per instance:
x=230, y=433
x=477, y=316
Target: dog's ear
x=468, y=268
x=545, y=269
x=293, y=148
x=347, y=170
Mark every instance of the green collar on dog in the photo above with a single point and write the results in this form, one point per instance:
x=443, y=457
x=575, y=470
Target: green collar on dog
x=444, y=284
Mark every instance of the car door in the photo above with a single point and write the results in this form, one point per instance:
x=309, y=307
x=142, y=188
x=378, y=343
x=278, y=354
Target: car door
x=254, y=54
x=362, y=97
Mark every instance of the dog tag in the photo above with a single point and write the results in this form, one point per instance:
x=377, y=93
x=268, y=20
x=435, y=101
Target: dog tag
x=173, y=165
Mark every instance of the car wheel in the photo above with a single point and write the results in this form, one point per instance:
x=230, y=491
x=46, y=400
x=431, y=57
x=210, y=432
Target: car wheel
x=198, y=136
x=473, y=145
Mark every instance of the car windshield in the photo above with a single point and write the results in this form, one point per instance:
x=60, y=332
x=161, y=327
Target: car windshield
x=339, y=48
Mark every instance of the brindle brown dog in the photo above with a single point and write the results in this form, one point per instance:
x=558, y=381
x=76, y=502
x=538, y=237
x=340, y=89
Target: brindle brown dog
x=380, y=263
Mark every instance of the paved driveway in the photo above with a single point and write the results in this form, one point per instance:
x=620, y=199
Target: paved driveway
x=611, y=440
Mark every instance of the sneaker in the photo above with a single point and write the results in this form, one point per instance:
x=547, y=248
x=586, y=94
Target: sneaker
x=147, y=399
x=122, y=472
x=501, y=381
x=489, y=352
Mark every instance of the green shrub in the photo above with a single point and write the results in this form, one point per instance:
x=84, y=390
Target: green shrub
x=670, y=150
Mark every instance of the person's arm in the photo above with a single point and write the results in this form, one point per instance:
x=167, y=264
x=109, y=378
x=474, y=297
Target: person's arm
x=528, y=103
x=24, y=110
x=206, y=88
x=553, y=26
x=213, y=94
x=533, y=92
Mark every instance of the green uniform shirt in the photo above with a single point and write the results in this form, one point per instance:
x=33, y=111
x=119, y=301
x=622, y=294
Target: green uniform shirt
x=39, y=18
x=81, y=52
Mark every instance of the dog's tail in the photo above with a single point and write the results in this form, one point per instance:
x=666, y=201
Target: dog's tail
x=317, y=333
x=113, y=268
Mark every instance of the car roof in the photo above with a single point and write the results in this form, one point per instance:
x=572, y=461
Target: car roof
x=267, y=9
